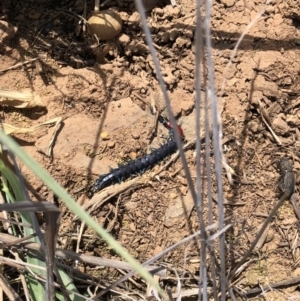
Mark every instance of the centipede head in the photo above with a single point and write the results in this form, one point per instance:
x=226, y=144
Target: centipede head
x=180, y=132
x=167, y=123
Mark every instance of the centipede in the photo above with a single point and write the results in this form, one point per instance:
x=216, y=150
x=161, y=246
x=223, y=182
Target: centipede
x=140, y=165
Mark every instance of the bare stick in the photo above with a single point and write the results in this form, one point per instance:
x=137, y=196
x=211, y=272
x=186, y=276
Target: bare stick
x=20, y=64
x=217, y=137
x=265, y=119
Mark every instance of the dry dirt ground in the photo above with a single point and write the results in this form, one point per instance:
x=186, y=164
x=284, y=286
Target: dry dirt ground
x=102, y=97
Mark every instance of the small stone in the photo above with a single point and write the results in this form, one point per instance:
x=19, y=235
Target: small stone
x=111, y=144
x=165, y=37
x=93, y=89
x=34, y=15
x=67, y=155
x=183, y=190
x=124, y=39
x=151, y=219
x=296, y=272
x=7, y=31
x=174, y=33
x=56, y=22
x=133, y=155
x=269, y=89
x=178, y=210
x=297, y=40
x=132, y=227
x=228, y=3
x=176, y=12
x=173, y=195
x=293, y=119
x=157, y=250
x=182, y=180
x=280, y=126
x=253, y=126
x=104, y=136
x=20, y=17
x=134, y=18
x=44, y=188
x=182, y=41
x=135, y=135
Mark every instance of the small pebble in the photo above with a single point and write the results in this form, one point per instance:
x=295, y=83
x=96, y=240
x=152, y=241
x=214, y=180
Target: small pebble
x=173, y=195
x=104, y=135
x=67, y=155
x=20, y=17
x=183, y=190
x=135, y=135
x=56, y=22
x=182, y=180
x=176, y=12
x=132, y=227
x=124, y=39
x=93, y=89
x=34, y=15
x=111, y=144
x=44, y=188
x=133, y=155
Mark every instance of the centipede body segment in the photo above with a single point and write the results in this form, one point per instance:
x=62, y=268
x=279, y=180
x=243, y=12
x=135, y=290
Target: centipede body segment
x=141, y=164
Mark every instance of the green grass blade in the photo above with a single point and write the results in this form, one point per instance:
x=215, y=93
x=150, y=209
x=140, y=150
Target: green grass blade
x=35, y=287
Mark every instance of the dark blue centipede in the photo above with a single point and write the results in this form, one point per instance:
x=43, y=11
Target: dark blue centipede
x=139, y=165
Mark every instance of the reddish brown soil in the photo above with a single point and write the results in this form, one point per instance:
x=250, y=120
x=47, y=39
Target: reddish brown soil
x=104, y=93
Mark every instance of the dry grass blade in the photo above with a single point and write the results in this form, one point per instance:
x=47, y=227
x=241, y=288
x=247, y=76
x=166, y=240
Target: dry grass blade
x=20, y=64
x=8, y=290
x=26, y=99
x=9, y=240
x=218, y=153
x=265, y=118
x=10, y=129
x=19, y=264
x=52, y=214
x=15, y=193
x=277, y=285
x=28, y=206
